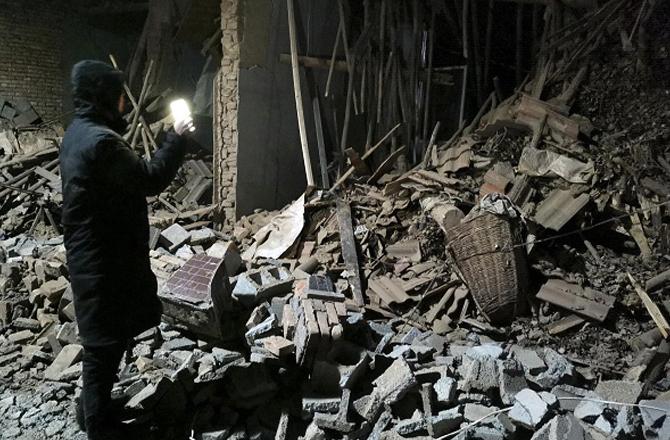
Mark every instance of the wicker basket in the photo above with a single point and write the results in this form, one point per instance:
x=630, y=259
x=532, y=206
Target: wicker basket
x=495, y=273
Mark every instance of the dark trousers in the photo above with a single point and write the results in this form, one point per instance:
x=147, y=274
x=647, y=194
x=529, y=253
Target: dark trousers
x=100, y=365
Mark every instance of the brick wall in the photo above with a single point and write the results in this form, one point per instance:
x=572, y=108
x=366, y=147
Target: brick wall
x=225, y=113
x=31, y=47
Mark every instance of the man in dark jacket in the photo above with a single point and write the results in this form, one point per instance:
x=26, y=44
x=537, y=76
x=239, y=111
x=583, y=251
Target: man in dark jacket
x=105, y=185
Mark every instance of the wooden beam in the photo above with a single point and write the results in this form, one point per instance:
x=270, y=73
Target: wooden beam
x=652, y=308
x=349, y=254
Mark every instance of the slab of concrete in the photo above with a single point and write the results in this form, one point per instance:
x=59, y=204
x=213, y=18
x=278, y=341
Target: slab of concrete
x=174, y=236
x=475, y=411
x=228, y=252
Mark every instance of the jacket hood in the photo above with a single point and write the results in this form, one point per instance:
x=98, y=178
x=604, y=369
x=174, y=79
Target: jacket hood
x=96, y=88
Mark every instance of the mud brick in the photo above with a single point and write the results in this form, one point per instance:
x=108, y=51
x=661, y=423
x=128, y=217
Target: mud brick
x=278, y=346
x=68, y=356
x=307, y=336
x=324, y=328
x=289, y=321
x=321, y=287
x=54, y=289
x=333, y=317
x=5, y=313
x=21, y=337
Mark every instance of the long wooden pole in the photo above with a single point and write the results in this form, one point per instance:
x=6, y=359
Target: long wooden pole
x=332, y=60
x=297, y=91
x=143, y=95
x=136, y=107
x=323, y=159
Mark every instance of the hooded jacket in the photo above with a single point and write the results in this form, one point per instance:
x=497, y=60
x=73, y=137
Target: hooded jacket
x=106, y=228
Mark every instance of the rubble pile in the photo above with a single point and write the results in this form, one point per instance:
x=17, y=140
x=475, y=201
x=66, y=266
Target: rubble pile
x=512, y=286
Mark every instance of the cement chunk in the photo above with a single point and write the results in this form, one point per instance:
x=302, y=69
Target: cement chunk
x=588, y=410
x=529, y=359
x=619, y=391
x=174, y=236
x=389, y=387
x=475, y=411
x=529, y=409
x=562, y=427
x=511, y=379
x=559, y=370
x=479, y=369
x=445, y=390
x=21, y=337
x=654, y=418
x=568, y=391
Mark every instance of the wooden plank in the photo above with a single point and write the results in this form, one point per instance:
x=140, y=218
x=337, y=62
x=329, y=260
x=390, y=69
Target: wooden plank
x=658, y=281
x=639, y=236
x=652, y=308
x=564, y=324
x=566, y=295
x=437, y=177
x=323, y=158
x=386, y=165
x=435, y=310
x=349, y=253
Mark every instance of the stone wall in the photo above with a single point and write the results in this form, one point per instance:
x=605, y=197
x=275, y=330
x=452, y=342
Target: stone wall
x=31, y=50
x=225, y=113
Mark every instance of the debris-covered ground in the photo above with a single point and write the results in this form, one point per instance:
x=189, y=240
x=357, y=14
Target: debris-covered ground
x=513, y=287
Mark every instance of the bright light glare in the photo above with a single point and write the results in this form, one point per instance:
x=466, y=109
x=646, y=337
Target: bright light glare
x=180, y=110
